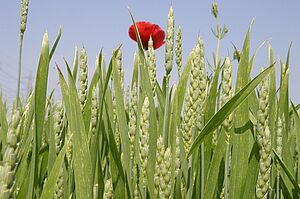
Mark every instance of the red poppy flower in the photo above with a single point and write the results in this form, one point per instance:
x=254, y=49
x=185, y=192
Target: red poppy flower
x=147, y=29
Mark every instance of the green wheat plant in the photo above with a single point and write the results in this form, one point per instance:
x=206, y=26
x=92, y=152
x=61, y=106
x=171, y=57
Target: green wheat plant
x=199, y=137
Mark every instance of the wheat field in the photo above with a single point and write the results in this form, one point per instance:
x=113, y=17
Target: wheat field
x=199, y=137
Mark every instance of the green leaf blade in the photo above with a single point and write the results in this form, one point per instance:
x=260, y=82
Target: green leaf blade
x=228, y=108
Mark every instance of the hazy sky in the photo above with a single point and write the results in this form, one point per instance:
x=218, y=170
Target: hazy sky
x=97, y=24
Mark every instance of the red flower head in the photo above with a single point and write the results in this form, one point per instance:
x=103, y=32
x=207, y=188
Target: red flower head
x=147, y=29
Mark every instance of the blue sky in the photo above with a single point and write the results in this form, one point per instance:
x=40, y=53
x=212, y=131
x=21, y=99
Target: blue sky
x=104, y=24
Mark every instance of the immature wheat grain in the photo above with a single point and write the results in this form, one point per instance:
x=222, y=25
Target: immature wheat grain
x=108, y=189
x=132, y=123
x=69, y=151
x=295, y=154
x=263, y=180
x=58, y=126
x=226, y=94
x=190, y=105
x=136, y=192
x=263, y=111
x=7, y=170
x=127, y=93
x=25, y=119
x=24, y=12
x=187, y=122
x=201, y=81
x=152, y=65
x=169, y=43
x=194, y=102
x=165, y=180
x=83, y=80
x=279, y=135
x=116, y=123
x=279, y=132
x=144, y=138
x=178, y=50
x=160, y=152
x=94, y=111
x=119, y=67
x=264, y=139
x=59, y=187
x=27, y=107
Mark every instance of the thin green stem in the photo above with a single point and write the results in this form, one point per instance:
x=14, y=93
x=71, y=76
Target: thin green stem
x=218, y=43
x=217, y=54
x=189, y=179
x=226, y=172
x=165, y=124
x=278, y=186
x=144, y=192
x=19, y=68
x=202, y=170
x=131, y=170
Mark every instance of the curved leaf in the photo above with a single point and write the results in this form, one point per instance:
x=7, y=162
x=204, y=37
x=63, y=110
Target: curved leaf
x=49, y=186
x=228, y=108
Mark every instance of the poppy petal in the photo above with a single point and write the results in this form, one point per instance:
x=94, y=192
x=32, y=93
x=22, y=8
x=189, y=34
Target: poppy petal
x=131, y=32
x=147, y=29
x=158, y=36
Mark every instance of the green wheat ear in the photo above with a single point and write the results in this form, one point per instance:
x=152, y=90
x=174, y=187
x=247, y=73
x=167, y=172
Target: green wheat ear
x=195, y=95
x=23, y=17
x=214, y=9
x=144, y=138
x=165, y=181
x=8, y=169
x=226, y=94
x=58, y=126
x=127, y=93
x=119, y=67
x=116, y=123
x=191, y=103
x=69, y=151
x=25, y=115
x=279, y=144
x=201, y=81
x=279, y=131
x=94, y=111
x=132, y=123
x=160, y=151
x=152, y=65
x=169, y=43
x=178, y=49
x=59, y=187
x=83, y=79
x=264, y=139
